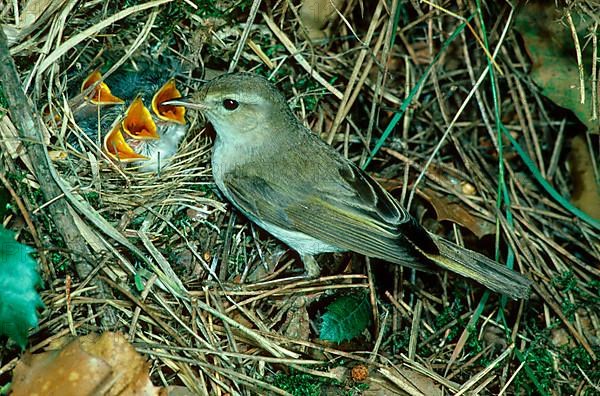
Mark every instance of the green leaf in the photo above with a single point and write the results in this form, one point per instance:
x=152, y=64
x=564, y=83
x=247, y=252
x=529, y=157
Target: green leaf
x=346, y=318
x=139, y=283
x=19, y=299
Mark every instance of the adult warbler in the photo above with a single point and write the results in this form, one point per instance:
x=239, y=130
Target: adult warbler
x=295, y=186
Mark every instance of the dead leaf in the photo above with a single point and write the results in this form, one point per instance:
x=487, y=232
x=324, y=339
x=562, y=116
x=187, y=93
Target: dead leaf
x=88, y=365
x=453, y=211
x=589, y=325
x=400, y=382
x=70, y=371
x=33, y=15
x=340, y=373
x=315, y=14
x=271, y=261
x=550, y=46
x=560, y=337
x=412, y=382
x=494, y=335
x=9, y=136
x=179, y=391
x=57, y=155
x=297, y=321
x=32, y=11
x=586, y=189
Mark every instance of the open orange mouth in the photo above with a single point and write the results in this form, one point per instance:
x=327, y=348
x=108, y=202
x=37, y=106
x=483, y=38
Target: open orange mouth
x=166, y=112
x=116, y=147
x=101, y=94
x=138, y=122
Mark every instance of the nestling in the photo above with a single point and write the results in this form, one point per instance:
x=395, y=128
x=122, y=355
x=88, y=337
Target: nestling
x=147, y=138
x=298, y=188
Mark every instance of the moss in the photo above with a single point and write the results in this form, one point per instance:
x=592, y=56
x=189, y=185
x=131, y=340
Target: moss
x=299, y=384
x=138, y=220
x=5, y=202
x=357, y=389
x=3, y=100
x=545, y=363
x=540, y=363
x=450, y=313
x=569, y=308
x=93, y=198
x=399, y=341
x=577, y=358
x=312, y=92
x=566, y=281
x=4, y=389
x=59, y=261
x=474, y=345
x=177, y=12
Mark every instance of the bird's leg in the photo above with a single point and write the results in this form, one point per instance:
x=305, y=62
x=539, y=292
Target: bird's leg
x=311, y=267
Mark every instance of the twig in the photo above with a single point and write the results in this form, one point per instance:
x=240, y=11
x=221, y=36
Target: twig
x=30, y=130
x=578, y=54
x=25, y=213
x=346, y=103
x=287, y=43
x=245, y=34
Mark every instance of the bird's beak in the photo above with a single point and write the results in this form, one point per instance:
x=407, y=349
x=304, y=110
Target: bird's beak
x=164, y=110
x=138, y=122
x=100, y=93
x=185, y=101
x=116, y=147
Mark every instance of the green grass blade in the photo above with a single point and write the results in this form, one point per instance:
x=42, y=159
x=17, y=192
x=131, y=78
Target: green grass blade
x=398, y=116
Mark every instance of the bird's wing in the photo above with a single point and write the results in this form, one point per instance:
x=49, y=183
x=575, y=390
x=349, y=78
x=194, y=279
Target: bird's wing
x=350, y=211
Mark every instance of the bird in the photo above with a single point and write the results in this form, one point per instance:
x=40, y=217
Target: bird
x=132, y=132
x=287, y=180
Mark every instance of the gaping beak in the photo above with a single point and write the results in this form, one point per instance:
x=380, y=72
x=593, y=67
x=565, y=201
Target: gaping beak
x=116, y=147
x=168, y=112
x=138, y=122
x=100, y=94
x=185, y=101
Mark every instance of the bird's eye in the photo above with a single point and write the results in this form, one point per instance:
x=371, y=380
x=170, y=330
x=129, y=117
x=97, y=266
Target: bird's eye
x=230, y=104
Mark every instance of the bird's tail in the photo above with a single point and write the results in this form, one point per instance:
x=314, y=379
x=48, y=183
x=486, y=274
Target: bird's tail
x=476, y=266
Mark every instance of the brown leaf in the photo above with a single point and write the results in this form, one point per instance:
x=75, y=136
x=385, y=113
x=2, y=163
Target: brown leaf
x=88, y=365
x=403, y=382
x=259, y=272
x=32, y=11
x=586, y=190
x=297, y=321
x=455, y=212
x=560, y=337
x=550, y=46
x=131, y=367
x=178, y=391
x=70, y=371
x=315, y=14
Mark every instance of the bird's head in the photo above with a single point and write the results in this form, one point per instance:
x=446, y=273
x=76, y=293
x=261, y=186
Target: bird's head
x=240, y=106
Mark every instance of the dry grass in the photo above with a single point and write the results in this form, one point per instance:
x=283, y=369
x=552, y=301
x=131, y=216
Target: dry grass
x=222, y=309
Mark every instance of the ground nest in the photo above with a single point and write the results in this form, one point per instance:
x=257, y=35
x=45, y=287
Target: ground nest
x=444, y=103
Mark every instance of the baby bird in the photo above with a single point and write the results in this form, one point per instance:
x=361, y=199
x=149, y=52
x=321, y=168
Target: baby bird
x=125, y=111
